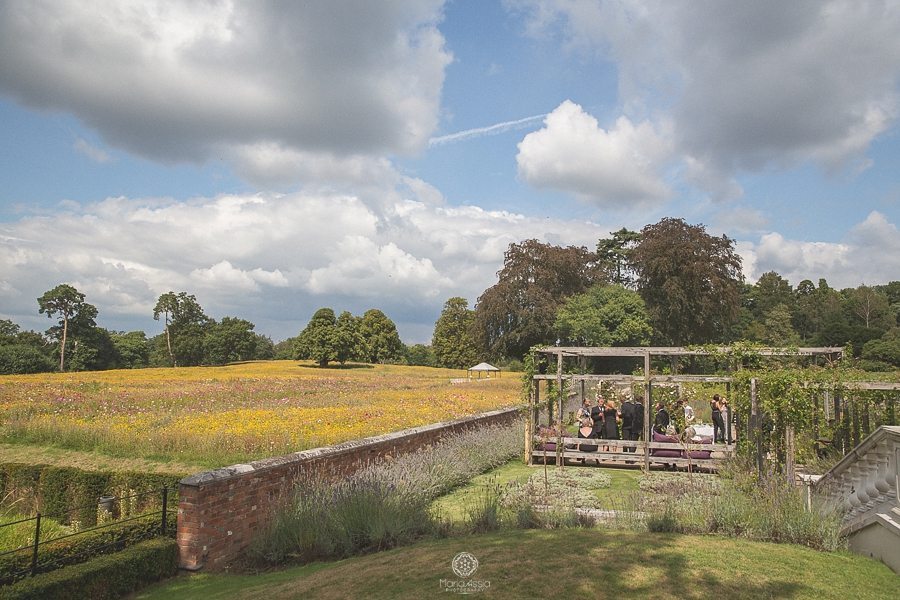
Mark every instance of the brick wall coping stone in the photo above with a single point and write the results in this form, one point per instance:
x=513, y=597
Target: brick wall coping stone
x=238, y=470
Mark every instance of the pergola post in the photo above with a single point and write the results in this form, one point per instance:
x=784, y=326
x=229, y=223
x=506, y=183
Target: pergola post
x=559, y=411
x=755, y=427
x=531, y=424
x=647, y=406
x=727, y=413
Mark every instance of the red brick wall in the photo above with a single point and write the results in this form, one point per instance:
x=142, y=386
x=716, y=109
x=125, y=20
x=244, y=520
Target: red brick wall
x=219, y=511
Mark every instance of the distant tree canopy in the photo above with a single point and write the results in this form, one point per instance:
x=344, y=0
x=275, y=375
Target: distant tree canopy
x=74, y=314
x=230, y=340
x=520, y=309
x=605, y=315
x=318, y=340
x=420, y=355
x=381, y=341
x=454, y=341
x=21, y=352
x=185, y=327
x=371, y=338
x=690, y=281
x=614, y=256
x=350, y=344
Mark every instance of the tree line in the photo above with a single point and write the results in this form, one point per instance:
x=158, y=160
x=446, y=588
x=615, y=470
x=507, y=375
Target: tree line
x=76, y=343
x=671, y=283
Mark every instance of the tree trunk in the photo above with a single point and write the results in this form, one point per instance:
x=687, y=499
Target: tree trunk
x=62, y=348
x=169, y=344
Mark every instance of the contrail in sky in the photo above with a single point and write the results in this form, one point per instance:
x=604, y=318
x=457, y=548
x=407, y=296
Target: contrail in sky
x=482, y=131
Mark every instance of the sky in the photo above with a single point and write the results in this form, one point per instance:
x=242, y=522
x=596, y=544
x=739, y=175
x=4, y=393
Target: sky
x=272, y=158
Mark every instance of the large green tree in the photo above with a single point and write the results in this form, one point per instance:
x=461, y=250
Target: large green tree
x=613, y=255
x=381, y=342
x=185, y=327
x=870, y=308
x=350, y=344
x=519, y=310
x=132, y=349
x=689, y=279
x=605, y=315
x=318, y=340
x=453, y=341
x=771, y=289
x=230, y=340
x=67, y=303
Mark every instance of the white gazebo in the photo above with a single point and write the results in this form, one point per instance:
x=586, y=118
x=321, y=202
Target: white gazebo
x=484, y=368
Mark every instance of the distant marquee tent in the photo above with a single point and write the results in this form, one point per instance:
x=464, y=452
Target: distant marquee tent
x=483, y=368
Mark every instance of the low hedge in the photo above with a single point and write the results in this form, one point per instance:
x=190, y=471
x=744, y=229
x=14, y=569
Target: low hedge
x=103, y=578
x=84, y=547
x=68, y=494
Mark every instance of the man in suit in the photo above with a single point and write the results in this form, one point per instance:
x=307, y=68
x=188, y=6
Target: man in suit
x=637, y=428
x=628, y=423
x=661, y=422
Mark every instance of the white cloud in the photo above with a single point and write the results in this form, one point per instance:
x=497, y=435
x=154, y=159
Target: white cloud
x=270, y=258
x=748, y=86
x=869, y=253
x=270, y=86
x=612, y=168
x=741, y=220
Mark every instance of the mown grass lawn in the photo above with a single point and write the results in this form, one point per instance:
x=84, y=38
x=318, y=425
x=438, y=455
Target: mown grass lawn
x=453, y=506
x=579, y=563
x=214, y=416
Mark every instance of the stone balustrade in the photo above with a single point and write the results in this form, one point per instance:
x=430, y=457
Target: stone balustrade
x=864, y=483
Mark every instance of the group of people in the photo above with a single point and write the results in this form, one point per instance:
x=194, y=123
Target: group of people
x=606, y=421
x=663, y=423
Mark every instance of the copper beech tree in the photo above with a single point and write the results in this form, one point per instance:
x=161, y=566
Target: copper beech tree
x=689, y=279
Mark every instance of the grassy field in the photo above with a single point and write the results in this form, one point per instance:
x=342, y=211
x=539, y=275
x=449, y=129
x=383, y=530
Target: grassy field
x=583, y=563
x=213, y=416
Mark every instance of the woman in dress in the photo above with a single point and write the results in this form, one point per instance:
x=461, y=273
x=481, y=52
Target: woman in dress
x=610, y=421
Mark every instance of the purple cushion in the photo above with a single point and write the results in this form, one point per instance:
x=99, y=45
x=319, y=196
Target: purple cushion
x=666, y=453
x=658, y=437
x=699, y=453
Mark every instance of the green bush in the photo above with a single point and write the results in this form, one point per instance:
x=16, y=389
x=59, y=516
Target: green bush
x=19, y=358
x=68, y=494
x=80, y=548
x=103, y=578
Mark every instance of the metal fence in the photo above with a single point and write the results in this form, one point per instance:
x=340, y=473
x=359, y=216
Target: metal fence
x=114, y=514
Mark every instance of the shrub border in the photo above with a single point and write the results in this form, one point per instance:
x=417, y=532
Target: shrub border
x=103, y=578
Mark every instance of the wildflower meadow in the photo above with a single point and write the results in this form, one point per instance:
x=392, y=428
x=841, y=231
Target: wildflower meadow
x=216, y=416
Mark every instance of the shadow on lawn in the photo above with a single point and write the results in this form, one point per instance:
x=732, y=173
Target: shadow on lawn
x=626, y=567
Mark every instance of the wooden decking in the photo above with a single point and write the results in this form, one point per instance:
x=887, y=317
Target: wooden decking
x=611, y=453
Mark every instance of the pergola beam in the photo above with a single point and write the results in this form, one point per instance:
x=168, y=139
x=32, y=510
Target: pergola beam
x=640, y=378
x=641, y=351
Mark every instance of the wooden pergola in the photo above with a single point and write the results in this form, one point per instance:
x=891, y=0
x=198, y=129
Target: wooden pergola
x=648, y=380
